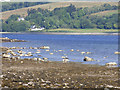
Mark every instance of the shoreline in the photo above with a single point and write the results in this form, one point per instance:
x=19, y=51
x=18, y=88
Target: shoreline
x=60, y=33
x=10, y=40
x=54, y=33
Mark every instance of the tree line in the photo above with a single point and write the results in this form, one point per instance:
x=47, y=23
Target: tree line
x=64, y=17
x=6, y=6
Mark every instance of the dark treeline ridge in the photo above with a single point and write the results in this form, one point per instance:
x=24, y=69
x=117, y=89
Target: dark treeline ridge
x=65, y=17
x=6, y=6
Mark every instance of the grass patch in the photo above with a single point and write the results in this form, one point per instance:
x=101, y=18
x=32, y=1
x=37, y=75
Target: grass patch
x=83, y=30
x=106, y=13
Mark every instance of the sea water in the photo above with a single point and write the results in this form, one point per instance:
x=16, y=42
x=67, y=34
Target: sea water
x=100, y=45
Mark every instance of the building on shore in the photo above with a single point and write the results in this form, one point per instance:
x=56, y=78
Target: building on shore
x=34, y=28
x=37, y=29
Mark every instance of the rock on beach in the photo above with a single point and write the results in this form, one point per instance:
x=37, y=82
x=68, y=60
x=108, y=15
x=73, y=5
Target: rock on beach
x=88, y=59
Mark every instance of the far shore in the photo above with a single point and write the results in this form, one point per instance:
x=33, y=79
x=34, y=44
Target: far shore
x=60, y=33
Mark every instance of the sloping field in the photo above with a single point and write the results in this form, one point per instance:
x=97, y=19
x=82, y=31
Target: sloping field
x=51, y=6
x=104, y=13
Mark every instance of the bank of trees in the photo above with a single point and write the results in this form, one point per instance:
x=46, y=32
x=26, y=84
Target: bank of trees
x=65, y=17
x=13, y=25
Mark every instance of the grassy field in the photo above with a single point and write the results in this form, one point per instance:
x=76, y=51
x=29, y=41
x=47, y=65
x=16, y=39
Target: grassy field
x=106, y=13
x=84, y=30
x=51, y=6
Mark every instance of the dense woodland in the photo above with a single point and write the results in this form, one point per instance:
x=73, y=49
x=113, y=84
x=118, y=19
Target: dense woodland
x=6, y=6
x=65, y=17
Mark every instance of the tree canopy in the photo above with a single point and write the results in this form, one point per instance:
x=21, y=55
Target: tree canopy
x=64, y=17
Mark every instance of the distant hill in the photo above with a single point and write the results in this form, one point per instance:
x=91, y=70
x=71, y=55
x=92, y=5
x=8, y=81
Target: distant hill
x=69, y=0
x=104, y=16
x=6, y=6
x=51, y=6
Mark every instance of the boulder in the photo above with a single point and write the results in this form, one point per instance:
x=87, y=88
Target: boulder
x=116, y=52
x=17, y=57
x=65, y=60
x=88, y=52
x=88, y=59
x=72, y=50
x=12, y=53
x=45, y=47
x=35, y=48
x=35, y=59
x=82, y=52
x=111, y=64
x=13, y=58
x=8, y=51
x=51, y=53
x=47, y=50
x=39, y=59
x=6, y=56
x=45, y=58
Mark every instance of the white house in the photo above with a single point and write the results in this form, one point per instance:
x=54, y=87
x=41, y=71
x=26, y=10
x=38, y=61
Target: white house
x=21, y=19
x=37, y=29
x=34, y=28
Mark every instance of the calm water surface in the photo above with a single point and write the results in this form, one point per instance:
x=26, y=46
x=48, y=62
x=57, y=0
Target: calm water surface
x=99, y=45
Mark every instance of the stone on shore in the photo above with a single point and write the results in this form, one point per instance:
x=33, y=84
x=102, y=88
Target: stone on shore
x=45, y=47
x=88, y=59
x=111, y=64
x=6, y=56
x=116, y=52
x=65, y=60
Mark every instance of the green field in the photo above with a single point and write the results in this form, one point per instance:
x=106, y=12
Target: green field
x=83, y=30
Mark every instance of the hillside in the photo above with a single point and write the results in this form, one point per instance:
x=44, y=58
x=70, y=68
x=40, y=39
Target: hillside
x=51, y=6
x=6, y=6
x=106, y=13
x=68, y=17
